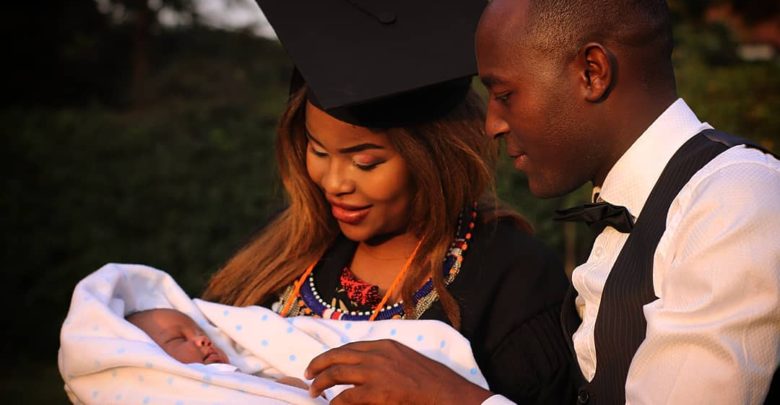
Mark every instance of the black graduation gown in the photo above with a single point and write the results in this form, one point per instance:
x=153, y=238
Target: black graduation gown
x=509, y=288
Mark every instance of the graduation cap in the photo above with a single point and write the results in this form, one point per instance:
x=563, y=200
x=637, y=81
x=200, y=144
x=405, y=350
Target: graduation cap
x=379, y=63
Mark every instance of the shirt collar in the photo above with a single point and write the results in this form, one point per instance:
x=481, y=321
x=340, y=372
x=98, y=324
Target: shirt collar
x=631, y=179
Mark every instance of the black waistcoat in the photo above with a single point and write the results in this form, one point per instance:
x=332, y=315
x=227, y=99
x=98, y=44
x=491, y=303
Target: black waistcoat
x=620, y=324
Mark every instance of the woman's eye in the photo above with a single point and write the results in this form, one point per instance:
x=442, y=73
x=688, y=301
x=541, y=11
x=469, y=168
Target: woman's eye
x=365, y=163
x=318, y=153
x=365, y=166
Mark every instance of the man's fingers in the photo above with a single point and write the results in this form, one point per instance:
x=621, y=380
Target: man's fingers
x=350, y=353
x=332, y=358
x=370, y=345
x=335, y=375
x=353, y=396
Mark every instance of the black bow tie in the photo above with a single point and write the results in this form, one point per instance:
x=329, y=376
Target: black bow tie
x=597, y=216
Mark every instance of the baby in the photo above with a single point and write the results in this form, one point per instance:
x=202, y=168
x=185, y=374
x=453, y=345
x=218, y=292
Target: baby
x=102, y=359
x=179, y=336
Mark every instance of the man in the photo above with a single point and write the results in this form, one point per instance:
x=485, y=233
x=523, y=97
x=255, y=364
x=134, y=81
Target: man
x=584, y=91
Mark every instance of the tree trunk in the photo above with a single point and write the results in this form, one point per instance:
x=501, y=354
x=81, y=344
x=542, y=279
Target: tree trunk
x=140, y=58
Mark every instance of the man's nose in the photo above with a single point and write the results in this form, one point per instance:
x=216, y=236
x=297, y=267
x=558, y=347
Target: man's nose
x=495, y=125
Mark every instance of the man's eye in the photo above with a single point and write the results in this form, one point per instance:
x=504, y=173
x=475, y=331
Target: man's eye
x=503, y=97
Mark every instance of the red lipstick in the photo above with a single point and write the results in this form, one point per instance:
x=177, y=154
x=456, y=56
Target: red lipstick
x=349, y=214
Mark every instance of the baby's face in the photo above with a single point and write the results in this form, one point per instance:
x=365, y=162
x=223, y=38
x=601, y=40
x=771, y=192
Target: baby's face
x=178, y=335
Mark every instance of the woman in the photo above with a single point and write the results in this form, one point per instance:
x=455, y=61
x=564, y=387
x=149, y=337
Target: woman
x=392, y=213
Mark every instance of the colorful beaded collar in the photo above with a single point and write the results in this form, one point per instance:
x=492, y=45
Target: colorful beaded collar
x=423, y=297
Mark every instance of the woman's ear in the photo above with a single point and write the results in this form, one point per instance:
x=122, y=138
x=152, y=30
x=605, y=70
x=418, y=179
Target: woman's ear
x=598, y=69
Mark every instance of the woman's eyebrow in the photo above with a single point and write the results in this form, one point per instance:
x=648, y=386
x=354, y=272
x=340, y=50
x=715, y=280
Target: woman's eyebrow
x=350, y=149
x=360, y=147
x=311, y=137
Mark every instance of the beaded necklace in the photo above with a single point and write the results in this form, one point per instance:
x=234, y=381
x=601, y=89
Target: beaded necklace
x=308, y=298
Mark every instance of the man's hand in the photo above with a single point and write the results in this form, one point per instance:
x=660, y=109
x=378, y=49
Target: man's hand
x=387, y=372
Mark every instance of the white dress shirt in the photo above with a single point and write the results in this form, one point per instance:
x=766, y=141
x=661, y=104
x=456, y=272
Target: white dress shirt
x=713, y=334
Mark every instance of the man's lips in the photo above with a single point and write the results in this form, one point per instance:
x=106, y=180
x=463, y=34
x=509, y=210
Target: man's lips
x=350, y=214
x=520, y=159
x=514, y=152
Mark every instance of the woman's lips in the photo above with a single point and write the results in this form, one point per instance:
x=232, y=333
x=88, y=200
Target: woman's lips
x=349, y=214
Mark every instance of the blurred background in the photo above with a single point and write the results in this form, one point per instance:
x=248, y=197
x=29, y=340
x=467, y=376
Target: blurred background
x=141, y=131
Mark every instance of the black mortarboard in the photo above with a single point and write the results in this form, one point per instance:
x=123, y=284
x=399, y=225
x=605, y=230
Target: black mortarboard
x=380, y=63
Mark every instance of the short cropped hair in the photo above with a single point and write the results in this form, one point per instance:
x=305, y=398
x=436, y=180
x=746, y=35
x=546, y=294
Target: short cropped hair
x=564, y=26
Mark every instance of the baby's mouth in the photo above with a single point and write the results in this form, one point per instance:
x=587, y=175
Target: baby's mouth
x=212, y=357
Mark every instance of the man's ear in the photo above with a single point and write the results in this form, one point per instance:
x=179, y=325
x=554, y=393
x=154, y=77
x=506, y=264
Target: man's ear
x=598, y=70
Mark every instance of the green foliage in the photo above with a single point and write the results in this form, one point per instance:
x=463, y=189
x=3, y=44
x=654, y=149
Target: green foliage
x=178, y=183
x=742, y=99
x=734, y=96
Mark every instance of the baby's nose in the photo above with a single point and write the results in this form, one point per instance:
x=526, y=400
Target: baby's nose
x=203, y=341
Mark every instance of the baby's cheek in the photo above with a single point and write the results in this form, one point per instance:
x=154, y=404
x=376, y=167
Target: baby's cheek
x=224, y=357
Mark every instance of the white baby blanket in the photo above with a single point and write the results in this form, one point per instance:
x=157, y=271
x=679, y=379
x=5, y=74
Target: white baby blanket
x=105, y=359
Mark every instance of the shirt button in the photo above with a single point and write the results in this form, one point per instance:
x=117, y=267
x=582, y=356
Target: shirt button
x=599, y=252
x=583, y=397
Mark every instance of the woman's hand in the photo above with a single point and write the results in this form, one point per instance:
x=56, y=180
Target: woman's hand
x=387, y=372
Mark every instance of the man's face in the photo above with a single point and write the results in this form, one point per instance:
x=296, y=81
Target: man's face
x=534, y=104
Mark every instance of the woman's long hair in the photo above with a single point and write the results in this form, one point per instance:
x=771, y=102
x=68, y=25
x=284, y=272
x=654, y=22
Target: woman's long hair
x=451, y=162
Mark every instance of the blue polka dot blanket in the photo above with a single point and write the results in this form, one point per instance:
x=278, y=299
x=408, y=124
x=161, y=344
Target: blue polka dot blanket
x=104, y=359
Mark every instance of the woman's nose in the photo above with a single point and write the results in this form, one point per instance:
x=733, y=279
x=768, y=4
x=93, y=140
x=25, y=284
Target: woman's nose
x=337, y=180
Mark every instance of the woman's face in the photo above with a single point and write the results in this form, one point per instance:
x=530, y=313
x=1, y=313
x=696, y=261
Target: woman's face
x=364, y=179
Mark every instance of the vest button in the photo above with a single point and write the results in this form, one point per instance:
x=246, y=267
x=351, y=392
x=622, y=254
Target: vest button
x=583, y=397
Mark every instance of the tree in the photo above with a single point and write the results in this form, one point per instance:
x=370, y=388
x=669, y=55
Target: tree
x=142, y=16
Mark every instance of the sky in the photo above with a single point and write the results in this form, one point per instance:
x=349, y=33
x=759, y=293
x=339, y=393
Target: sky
x=235, y=14
x=225, y=14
